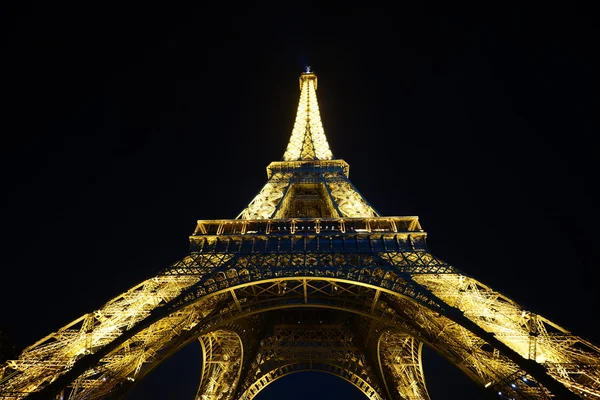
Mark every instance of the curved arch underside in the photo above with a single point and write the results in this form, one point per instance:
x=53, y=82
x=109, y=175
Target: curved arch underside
x=336, y=370
x=302, y=340
x=103, y=353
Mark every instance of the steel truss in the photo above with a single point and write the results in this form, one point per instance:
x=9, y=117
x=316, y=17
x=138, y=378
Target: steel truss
x=365, y=290
x=301, y=345
x=410, y=292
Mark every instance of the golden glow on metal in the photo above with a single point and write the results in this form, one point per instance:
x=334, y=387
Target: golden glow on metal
x=265, y=203
x=325, y=347
x=349, y=202
x=400, y=353
x=341, y=196
x=222, y=355
x=308, y=160
x=308, y=141
x=532, y=336
x=228, y=299
x=308, y=242
x=51, y=356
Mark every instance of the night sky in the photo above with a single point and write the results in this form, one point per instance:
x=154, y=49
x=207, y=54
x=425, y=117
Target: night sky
x=123, y=124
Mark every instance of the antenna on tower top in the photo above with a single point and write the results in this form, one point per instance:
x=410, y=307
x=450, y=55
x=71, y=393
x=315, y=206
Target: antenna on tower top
x=308, y=71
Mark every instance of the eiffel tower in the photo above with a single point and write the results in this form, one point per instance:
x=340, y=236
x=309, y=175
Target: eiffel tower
x=308, y=276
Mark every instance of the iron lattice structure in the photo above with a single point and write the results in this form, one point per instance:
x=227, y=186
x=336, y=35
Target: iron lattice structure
x=308, y=277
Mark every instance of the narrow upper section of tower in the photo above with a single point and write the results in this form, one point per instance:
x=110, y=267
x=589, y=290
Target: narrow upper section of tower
x=308, y=141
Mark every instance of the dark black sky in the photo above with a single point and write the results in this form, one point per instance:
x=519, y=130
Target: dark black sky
x=124, y=124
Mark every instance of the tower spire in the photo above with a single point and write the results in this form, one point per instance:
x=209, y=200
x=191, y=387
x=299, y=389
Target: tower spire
x=308, y=141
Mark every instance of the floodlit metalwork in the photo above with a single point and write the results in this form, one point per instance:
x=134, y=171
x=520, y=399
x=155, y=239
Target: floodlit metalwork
x=308, y=141
x=308, y=277
x=320, y=342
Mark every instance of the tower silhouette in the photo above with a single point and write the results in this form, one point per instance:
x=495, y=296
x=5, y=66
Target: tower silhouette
x=308, y=276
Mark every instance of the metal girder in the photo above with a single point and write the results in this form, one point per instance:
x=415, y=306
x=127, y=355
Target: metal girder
x=403, y=305
x=308, y=140
x=318, y=345
x=309, y=241
x=222, y=356
x=400, y=360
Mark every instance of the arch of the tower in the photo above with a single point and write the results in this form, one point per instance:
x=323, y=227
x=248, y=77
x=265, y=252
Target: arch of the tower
x=399, y=354
x=163, y=314
x=218, y=304
x=399, y=361
x=306, y=339
x=398, y=341
x=382, y=362
x=398, y=357
x=341, y=371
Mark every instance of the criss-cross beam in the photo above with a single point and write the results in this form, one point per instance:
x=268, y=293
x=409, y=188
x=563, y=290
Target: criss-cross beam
x=411, y=314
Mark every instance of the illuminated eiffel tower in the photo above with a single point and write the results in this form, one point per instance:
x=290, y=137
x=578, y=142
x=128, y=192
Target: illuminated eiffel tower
x=308, y=277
